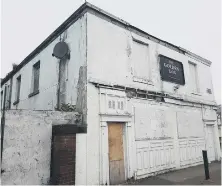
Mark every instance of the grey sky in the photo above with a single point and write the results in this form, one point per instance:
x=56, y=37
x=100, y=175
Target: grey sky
x=191, y=24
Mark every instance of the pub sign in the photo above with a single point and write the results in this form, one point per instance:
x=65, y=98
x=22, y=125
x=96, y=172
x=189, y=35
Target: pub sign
x=171, y=70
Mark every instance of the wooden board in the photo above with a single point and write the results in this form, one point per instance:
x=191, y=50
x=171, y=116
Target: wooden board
x=116, y=153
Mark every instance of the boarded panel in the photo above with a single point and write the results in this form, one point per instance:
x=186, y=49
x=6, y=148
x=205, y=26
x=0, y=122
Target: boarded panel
x=153, y=121
x=190, y=124
x=191, y=151
x=117, y=174
x=154, y=155
x=116, y=155
x=115, y=142
x=140, y=58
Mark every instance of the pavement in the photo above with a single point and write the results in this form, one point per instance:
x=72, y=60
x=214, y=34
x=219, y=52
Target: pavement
x=189, y=176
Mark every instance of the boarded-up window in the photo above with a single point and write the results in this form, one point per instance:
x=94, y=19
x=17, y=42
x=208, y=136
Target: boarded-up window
x=7, y=103
x=193, y=77
x=18, y=86
x=36, y=70
x=1, y=99
x=140, y=57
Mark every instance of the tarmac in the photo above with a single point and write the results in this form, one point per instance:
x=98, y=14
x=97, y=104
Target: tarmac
x=188, y=176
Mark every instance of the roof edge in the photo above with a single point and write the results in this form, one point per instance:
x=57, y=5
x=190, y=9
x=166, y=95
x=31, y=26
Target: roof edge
x=75, y=16
x=93, y=7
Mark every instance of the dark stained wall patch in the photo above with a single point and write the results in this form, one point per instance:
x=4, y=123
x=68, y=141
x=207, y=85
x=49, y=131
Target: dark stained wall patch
x=171, y=70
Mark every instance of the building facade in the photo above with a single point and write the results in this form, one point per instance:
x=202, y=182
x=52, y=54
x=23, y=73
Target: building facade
x=148, y=105
x=219, y=124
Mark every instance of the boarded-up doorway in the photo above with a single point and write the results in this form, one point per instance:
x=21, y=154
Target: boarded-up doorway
x=116, y=153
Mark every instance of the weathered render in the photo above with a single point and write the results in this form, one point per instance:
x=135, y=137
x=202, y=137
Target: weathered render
x=114, y=78
x=161, y=133
x=27, y=145
x=46, y=99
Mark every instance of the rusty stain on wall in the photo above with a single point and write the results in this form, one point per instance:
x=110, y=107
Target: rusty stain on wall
x=62, y=82
x=81, y=102
x=128, y=49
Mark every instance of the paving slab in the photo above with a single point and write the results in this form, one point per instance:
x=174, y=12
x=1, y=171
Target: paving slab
x=190, y=176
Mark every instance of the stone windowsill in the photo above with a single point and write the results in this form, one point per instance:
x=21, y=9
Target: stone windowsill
x=33, y=93
x=16, y=102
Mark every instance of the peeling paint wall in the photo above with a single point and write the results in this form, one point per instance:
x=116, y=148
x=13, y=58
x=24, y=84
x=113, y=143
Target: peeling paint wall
x=159, y=135
x=46, y=99
x=110, y=60
x=81, y=103
x=27, y=145
x=62, y=87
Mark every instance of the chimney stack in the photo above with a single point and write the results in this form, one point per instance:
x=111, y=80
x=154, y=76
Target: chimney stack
x=14, y=66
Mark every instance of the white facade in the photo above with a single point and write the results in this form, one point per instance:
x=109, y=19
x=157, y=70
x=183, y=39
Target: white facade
x=158, y=135
x=46, y=99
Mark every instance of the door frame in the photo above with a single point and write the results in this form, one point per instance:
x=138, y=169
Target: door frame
x=104, y=144
x=211, y=127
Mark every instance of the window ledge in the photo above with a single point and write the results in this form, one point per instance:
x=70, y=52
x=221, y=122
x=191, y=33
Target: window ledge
x=197, y=94
x=33, y=93
x=16, y=102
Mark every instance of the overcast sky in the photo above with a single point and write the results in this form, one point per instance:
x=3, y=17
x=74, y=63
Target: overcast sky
x=191, y=24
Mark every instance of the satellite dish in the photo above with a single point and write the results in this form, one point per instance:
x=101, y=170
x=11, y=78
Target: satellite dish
x=60, y=50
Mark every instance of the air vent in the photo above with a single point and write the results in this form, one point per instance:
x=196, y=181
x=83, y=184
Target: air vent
x=209, y=91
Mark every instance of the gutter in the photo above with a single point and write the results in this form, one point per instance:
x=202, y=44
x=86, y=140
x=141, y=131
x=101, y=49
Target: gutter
x=66, y=24
x=86, y=7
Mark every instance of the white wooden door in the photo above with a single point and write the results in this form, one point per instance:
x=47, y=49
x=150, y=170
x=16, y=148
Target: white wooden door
x=210, y=144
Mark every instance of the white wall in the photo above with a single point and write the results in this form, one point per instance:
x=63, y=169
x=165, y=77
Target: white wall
x=27, y=145
x=110, y=51
x=75, y=36
x=161, y=136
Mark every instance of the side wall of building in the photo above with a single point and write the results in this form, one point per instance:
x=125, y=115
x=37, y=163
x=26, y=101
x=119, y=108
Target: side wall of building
x=46, y=99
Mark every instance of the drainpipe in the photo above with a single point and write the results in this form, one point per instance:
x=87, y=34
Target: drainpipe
x=3, y=123
x=58, y=88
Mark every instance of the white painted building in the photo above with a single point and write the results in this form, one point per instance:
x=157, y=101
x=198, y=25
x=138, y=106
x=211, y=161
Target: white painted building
x=149, y=105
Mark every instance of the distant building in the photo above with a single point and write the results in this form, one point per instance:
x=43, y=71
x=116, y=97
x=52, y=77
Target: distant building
x=148, y=104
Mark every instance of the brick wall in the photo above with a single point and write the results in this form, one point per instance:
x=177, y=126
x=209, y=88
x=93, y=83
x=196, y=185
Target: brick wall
x=64, y=148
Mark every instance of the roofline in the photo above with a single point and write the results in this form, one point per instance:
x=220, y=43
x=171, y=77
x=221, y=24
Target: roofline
x=71, y=19
x=165, y=43
x=74, y=17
